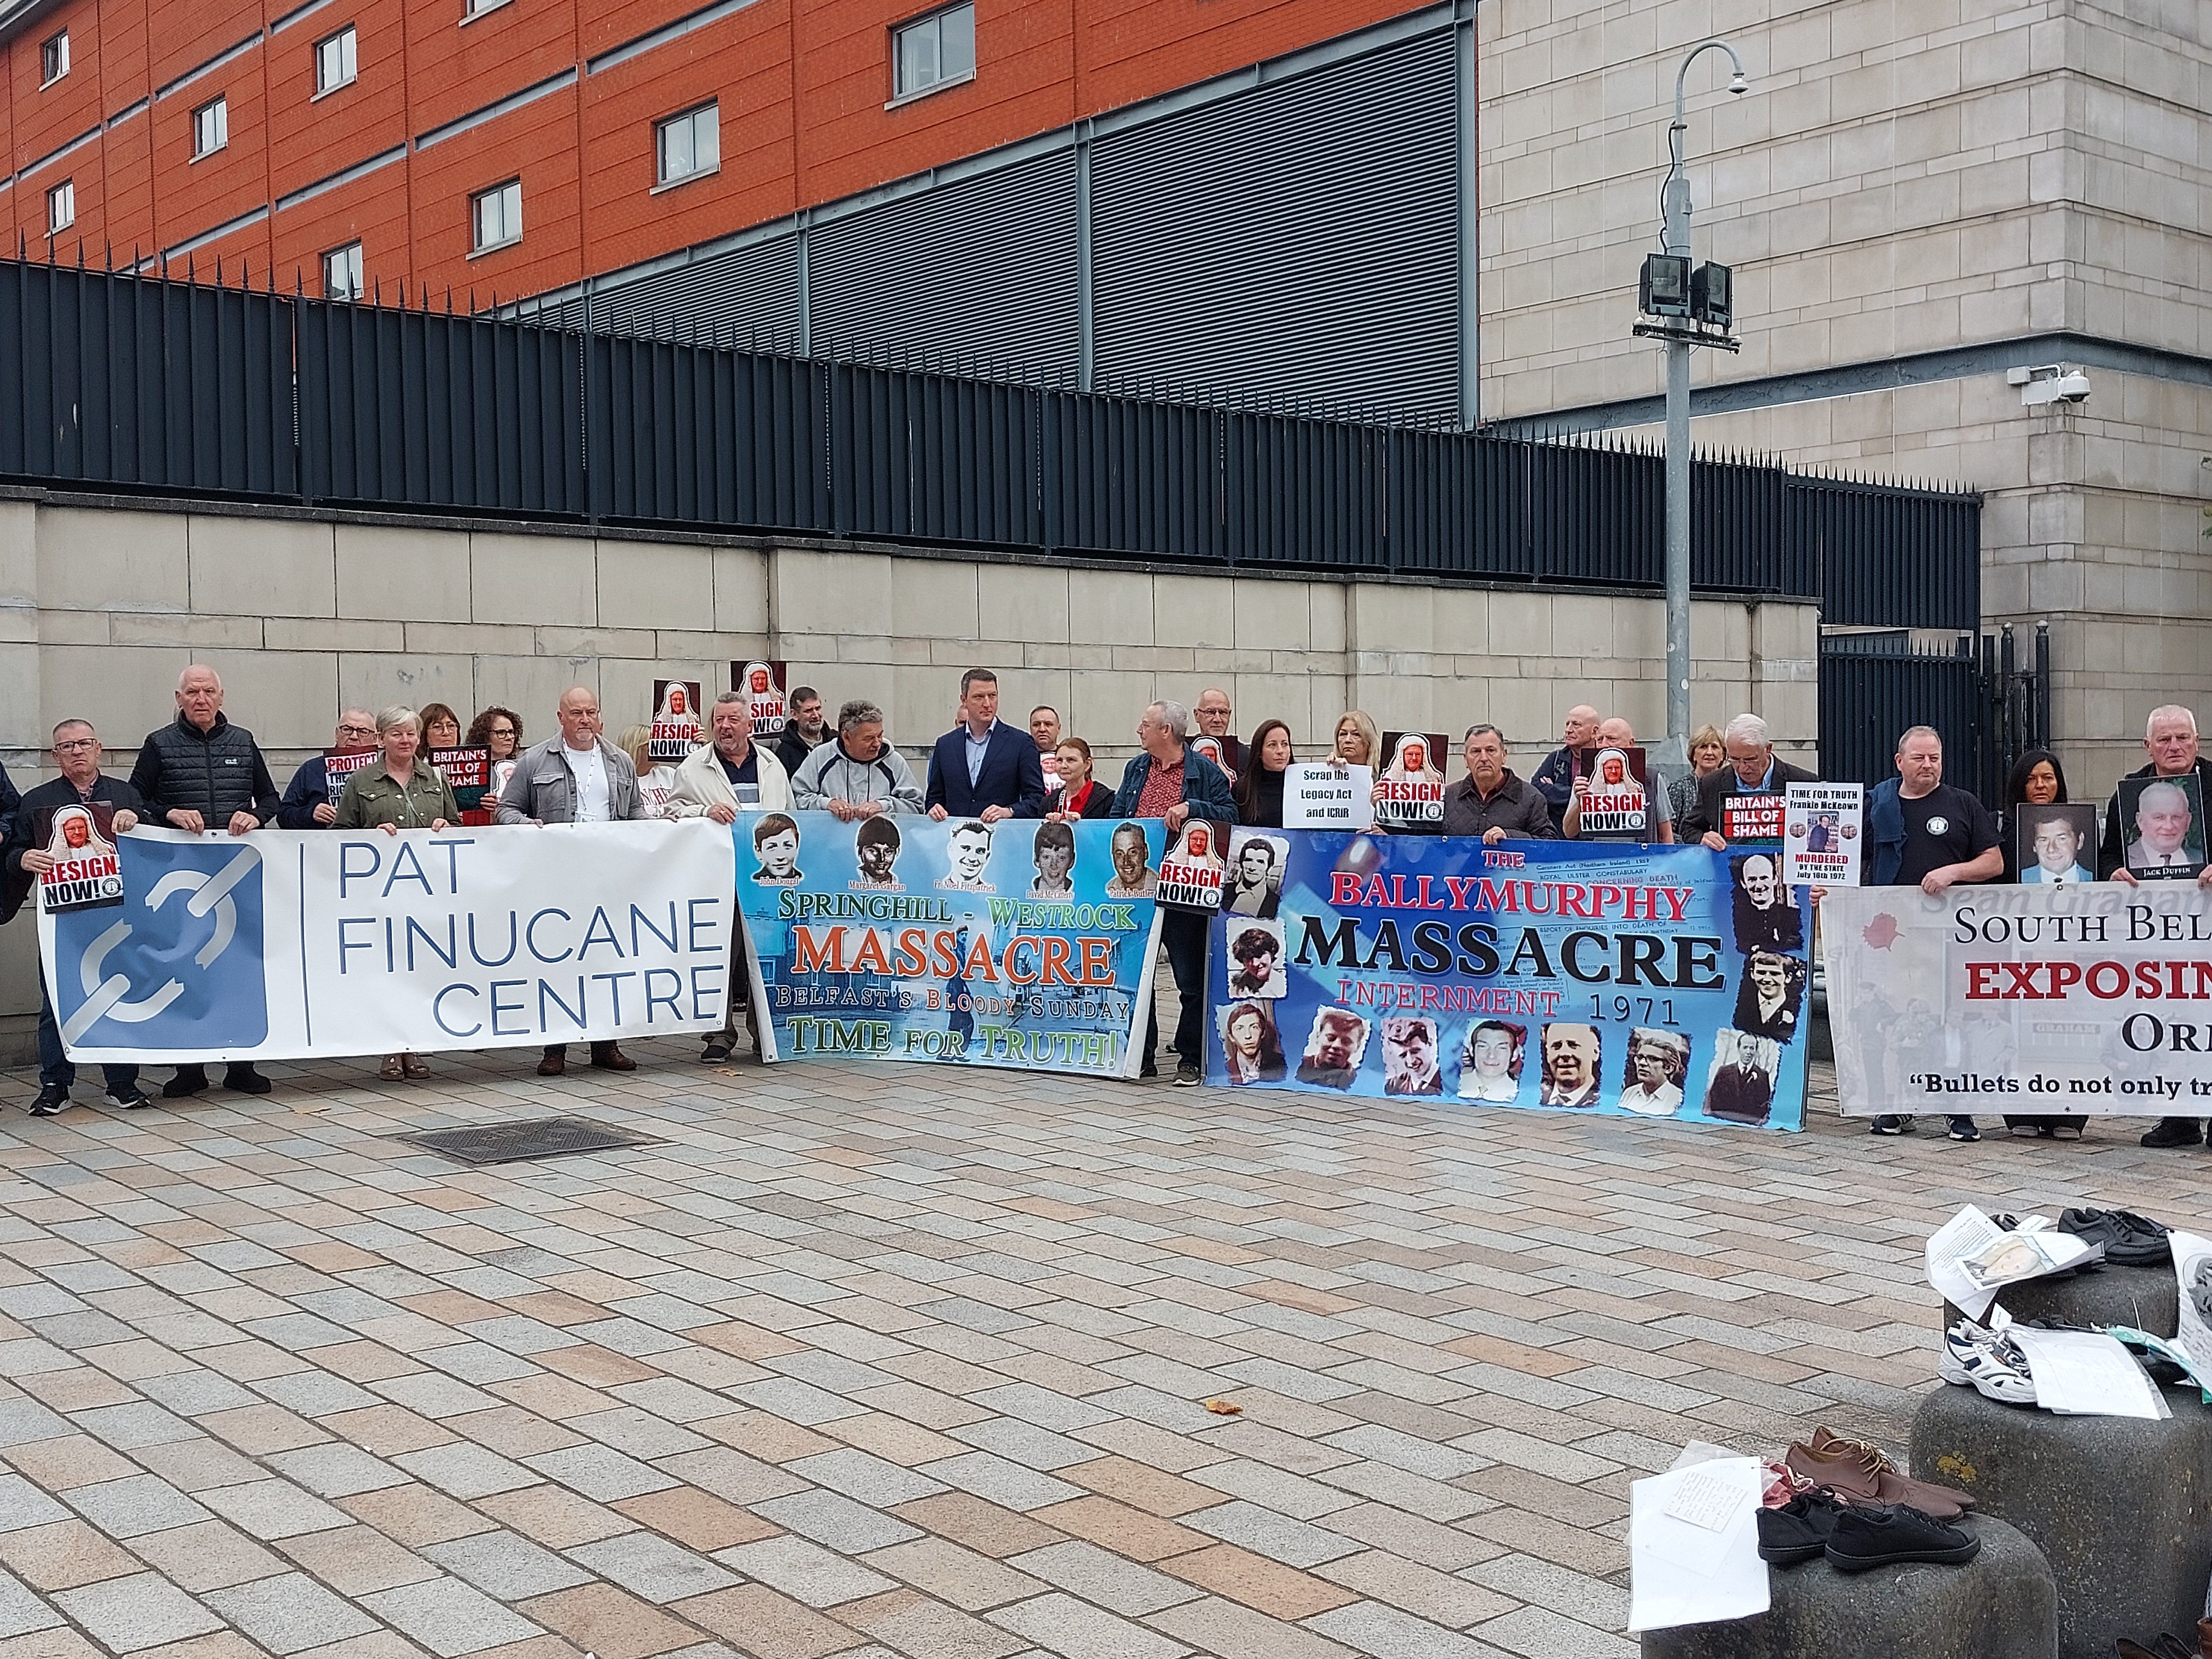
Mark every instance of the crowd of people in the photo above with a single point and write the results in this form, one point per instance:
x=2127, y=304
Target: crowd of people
x=201, y=772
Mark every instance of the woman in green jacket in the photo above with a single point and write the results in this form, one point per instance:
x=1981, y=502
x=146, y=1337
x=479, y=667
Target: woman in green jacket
x=400, y=793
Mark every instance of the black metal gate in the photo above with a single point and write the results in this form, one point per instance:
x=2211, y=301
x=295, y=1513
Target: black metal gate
x=1989, y=706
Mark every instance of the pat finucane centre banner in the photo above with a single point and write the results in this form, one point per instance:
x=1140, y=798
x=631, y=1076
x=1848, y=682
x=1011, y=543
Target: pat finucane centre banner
x=2087, y=997
x=287, y=944
x=1607, y=978
x=1020, y=943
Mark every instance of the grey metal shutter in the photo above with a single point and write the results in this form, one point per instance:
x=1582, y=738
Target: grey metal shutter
x=749, y=292
x=978, y=272
x=1299, y=238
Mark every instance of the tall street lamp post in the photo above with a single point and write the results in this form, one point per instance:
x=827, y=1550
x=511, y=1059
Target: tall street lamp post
x=1692, y=308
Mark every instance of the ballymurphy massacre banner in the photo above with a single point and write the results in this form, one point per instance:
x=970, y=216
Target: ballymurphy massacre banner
x=2088, y=998
x=1625, y=981
x=1020, y=943
x=286, y=943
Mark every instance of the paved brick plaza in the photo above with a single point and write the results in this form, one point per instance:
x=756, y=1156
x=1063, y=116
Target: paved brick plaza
x=907, y=1361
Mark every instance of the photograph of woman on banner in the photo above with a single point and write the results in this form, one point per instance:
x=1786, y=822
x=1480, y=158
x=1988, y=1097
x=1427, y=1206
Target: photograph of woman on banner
x=1772, y=996
x=1739, y=1088
x=876, y=850
x=1052, y=853
x=1765, y=915
x=1658, y=1061
x=1490, y=1062
x=775, y=844
x=1132, y=853
x=1255, y=885
x=1255, y=961
x=1334, y=1048
x=1573, y=1054
x=1251, y=1046
x=1410, y=1064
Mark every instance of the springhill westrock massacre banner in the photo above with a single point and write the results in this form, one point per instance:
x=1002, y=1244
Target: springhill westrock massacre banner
x=1618, y=980
x=1020, y=943
x=2091, y=997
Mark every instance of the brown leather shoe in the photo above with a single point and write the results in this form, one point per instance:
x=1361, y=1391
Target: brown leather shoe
x=1860, y=1474
x=609, y=1057
x=555, y=1063
x=2204, y=1637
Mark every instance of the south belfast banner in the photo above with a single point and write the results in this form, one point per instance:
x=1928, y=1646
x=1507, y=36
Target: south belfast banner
x=1019, y=944
x=2087, y=997
x=1615, y=980
x=286, y=943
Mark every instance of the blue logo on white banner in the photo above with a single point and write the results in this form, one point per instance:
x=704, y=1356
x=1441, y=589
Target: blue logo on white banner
x=180, y=965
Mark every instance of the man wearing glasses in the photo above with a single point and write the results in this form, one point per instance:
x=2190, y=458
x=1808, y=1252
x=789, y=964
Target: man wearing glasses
x=76, y=753
x=309, y=801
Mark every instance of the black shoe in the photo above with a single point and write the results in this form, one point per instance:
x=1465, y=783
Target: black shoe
x=1891, y=1123
x=189, y=1080
x=130, y=1097
x=245, y=1080
x=716, y=1052
x=1881, y=1537
x=1963, y=1129
x=1148, y=1069
x=1186, y=1076
x=2130, y=1240
x=2175, y=1132
x=1798, y=1531
x=53, y=1101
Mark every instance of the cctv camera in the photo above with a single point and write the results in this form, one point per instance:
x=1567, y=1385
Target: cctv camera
x=2073, y=386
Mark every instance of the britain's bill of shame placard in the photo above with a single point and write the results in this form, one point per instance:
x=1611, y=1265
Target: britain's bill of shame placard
x=2067, y=998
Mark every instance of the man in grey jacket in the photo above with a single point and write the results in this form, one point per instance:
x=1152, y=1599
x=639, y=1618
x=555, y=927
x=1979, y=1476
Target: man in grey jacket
x=859, y=775
x=577, y=777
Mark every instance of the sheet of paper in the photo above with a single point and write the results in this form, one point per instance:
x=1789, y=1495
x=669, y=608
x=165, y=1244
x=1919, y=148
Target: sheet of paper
x=1681, y=1572
x=1325, y=795
x=2193, y=1259
x=2012, y=1257
x=2087, y=1374
x=1964, y=1235
x=1706, y=1501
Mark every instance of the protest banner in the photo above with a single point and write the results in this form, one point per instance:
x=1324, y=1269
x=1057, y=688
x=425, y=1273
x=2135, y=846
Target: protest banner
x=467, y=772
x=2022, y=997
x=87, y=872
x=1820, y=839
x=1021, y=943
x=339, y=764
x=1625, y=982
x=676, y=721
x=760, y=684
x=1195, y=866
x=1328, y=795
x=1617, y=801
x=1412, y=789
x=286, y=943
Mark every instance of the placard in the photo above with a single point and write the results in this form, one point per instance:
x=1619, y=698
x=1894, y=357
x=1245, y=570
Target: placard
x=1327, y=795
x=676, y=721
x=762, y=684
x=2021, y=997
x=1216, y=749
x=2055, y=845
x=1751, y=818
x=1195, y=866
x=467, y=772
x=87, y=872
x=1617, y=804
x=1821, y=845
x=339, y=764
x=2162, y=827
x=1411, y=787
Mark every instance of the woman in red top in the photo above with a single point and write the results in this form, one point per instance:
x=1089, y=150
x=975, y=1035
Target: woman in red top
x=1079, y=794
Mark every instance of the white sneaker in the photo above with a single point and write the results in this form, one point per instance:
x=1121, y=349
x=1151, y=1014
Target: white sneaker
x=1992, y=1364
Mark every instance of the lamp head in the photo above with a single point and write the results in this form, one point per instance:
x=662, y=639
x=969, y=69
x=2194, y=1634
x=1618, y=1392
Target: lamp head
x=1738, y=84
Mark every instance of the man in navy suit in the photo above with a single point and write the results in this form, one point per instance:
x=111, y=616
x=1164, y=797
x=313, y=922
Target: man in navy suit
x=979, y=768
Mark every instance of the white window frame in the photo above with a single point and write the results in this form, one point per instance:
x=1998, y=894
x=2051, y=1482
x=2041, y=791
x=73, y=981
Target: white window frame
x=347, y=44
x=61, y=207
x=54, y=58
x=510, y=211
x=472, y=9
x=902, y=90
x=666, y=128
x=350, y=256
x=211, y=120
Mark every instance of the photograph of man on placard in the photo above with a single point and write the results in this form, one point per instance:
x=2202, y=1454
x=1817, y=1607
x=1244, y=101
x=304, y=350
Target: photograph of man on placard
x=1410, y=1062
x=2164, y=820
x=1334, y=1048
x=2055, y=844
x=1572, y=1055
x=1256, y=873
x=1490, y=1061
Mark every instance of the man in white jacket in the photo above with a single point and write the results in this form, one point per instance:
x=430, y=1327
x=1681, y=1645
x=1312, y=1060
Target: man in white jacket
x=719, y=780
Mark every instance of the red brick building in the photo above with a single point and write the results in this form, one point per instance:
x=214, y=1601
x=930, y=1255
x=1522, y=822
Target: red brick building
x=274, y=134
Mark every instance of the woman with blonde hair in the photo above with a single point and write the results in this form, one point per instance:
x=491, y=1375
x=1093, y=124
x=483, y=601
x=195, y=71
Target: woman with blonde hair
x=1359, y=739
x=1707, y=757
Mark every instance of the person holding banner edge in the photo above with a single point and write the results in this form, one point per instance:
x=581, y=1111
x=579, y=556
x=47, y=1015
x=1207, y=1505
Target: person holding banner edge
x=713, y=781
x=1168, y=782
x=2170, y=739
x=575, y=776
x=77, y=756
x=1490, y=801
x=857, y=774
x=196, y=773
x=1923, y=832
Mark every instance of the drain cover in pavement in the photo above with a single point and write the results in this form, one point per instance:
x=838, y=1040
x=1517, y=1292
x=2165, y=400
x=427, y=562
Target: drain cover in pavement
x=515, y=1143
